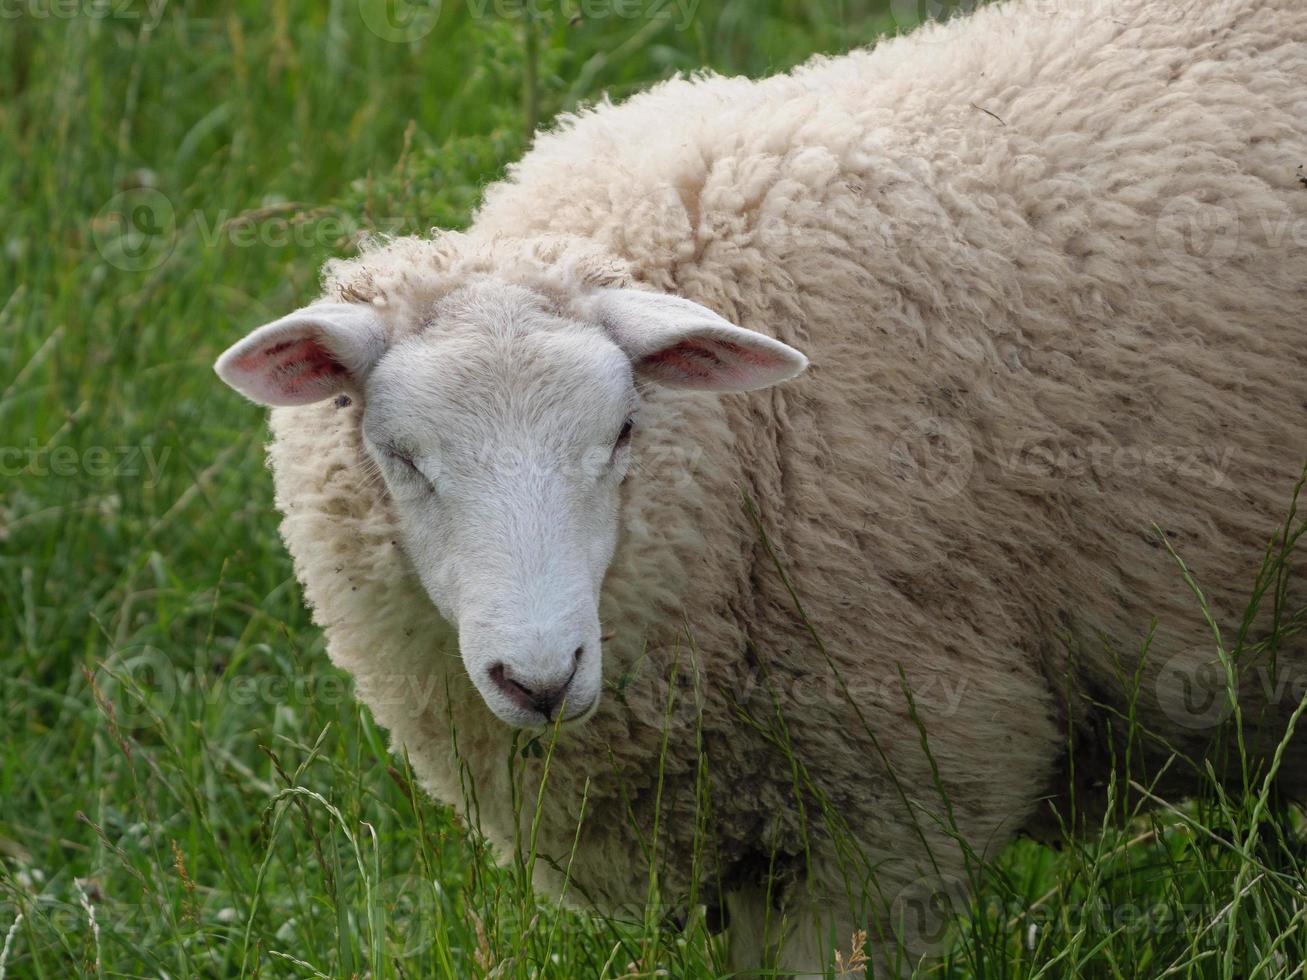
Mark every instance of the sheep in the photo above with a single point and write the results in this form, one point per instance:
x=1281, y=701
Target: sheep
x=566, y=471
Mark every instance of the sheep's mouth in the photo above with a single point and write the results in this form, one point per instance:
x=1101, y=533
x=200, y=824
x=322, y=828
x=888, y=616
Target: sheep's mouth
x=571, y=719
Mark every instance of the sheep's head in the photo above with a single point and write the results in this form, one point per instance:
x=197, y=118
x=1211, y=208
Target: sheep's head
x=500, y=425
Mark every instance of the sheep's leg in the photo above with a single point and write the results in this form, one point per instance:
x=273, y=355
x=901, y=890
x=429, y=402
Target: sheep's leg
x=800, y=939
x=748, y=947
x=814, y=936
x=809, y=944
x=792, y=941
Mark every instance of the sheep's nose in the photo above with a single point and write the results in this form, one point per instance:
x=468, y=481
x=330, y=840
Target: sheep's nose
x=536, y=694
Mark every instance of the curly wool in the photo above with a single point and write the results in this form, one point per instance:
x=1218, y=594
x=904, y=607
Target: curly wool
x=1048, y=266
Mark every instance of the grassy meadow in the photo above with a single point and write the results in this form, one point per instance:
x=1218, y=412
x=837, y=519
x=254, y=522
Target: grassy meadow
x=187, y=788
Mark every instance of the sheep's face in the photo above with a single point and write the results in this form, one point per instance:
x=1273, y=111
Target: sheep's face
x=501, y=428
x=502, y=433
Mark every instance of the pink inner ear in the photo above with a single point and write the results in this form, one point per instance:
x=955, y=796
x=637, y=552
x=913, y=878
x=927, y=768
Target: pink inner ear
x=706, y=361
x=292, y=367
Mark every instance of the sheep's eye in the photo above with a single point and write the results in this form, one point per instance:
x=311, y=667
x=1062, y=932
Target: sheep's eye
x=404, y=459
x=624, y=436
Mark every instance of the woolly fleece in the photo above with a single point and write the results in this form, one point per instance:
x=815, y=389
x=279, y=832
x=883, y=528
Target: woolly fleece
x=1048, y=264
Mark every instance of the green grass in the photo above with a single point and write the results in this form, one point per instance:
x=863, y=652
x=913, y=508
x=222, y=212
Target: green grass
x=186, y=785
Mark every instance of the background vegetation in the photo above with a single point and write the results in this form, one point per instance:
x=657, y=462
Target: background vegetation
x=186, y=786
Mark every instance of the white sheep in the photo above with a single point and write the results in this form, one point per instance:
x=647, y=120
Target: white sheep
x=1048, y=264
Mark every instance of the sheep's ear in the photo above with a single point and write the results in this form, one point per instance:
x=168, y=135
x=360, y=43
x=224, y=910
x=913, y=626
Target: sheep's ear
x=675, y=342
x=310, y=355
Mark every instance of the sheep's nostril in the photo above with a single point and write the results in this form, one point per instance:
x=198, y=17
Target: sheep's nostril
x=544, y=699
